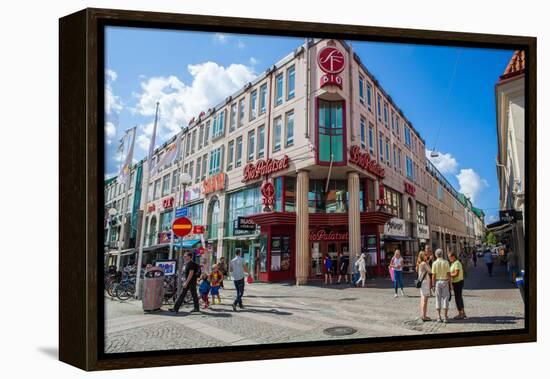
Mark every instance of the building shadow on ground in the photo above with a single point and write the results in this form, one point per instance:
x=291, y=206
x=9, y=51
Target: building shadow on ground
x=495, y=320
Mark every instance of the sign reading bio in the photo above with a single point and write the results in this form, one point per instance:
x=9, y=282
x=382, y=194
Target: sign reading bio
x=395, y=227
x=332, y=61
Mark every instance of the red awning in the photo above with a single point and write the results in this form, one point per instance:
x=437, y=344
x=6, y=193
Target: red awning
x=319, y=219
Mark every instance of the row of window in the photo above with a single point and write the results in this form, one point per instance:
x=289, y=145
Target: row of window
x=393, y=201
x=383, y=115
x=117, y=189
x=257, y=106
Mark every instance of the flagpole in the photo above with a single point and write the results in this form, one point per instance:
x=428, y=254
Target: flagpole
x=123, y=210
x=146, y=199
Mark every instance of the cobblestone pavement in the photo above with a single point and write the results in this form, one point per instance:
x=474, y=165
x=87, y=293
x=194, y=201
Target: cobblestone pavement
x=283, y=312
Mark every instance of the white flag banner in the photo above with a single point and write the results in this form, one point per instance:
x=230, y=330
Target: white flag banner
x=124, y=173
x=152, y=143
x=170, y=155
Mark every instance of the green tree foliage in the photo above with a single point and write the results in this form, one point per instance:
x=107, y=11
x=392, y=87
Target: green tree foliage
x=490, y=239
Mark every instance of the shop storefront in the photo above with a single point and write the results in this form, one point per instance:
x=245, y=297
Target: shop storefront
x=395, y=237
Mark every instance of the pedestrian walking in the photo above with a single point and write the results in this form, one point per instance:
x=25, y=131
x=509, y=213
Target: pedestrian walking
x=216, y=278
x=441, y=280
x=396, y=264
x=328, y=269
x=343, y=268
x=204, y=290
x=361, y=266
x=354, y=271
x=190, y=274
x=512, y=265
x=222, y=265
x=457, y=278
x=423, y=269
x=488, y=258
x=474, y=258
x=238, y=267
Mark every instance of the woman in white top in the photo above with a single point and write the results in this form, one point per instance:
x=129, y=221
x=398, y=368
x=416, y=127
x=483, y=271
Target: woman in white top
x=397, y=265
x=361, y=265
x=423, y=269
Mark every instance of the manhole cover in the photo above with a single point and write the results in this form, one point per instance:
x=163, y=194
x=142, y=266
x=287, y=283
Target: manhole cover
x=339, y=331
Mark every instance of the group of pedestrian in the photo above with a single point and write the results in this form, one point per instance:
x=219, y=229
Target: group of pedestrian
x=443, y=277
x=359, y=266
x=211, y=284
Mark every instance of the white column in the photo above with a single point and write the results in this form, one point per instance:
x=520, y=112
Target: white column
x=354, y=215
x=302, y=228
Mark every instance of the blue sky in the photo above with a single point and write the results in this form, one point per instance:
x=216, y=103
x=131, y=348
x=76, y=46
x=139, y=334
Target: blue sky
x=191, y=71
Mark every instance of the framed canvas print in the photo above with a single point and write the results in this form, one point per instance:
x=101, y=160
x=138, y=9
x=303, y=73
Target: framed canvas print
x=243, y=189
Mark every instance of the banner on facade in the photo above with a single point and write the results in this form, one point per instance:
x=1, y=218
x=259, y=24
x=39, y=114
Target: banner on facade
x=395, y=227
x=422, y=231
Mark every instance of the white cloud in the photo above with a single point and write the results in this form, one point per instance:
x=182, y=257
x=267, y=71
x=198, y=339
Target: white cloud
x=112, y=75
x=254, y=61
x=444, y=162
x=143, y=142
x=221, y=38
x=491, y=218
x=110, y=132
x=179, y=102
x=471, y=184
x=108, y=176
x=241, y=45
x=112, y=102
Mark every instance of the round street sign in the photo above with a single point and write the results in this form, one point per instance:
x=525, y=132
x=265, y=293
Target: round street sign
x=182, y=226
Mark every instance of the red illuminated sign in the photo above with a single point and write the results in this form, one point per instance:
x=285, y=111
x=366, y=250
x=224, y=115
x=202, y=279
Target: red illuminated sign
x=168, y=202
x=331, y=60
x=262, y=167
x=364, y=160
x=268, y=192
x=213, y=183
x=198, y=229
x=151, y=208
x=323, y=235
x=331, y=80
x=409, y=188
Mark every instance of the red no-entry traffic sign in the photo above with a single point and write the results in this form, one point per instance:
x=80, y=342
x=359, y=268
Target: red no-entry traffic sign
x=182, y=226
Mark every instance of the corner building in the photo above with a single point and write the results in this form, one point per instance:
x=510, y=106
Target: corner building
x=310, y=160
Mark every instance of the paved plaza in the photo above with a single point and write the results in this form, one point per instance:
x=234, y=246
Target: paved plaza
x=279, y=313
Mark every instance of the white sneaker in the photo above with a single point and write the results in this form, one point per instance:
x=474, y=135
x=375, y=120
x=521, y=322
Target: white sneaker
x=395, y=295
x=401, y=293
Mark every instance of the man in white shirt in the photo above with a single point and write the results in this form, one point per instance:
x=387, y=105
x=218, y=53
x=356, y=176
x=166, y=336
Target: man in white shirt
x=238, y=267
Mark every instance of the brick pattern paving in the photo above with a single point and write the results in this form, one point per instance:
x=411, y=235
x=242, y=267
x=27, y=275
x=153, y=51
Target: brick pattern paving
x=280, y=313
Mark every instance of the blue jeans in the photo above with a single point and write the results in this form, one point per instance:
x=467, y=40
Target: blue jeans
x=239, y=287
x=397, y=279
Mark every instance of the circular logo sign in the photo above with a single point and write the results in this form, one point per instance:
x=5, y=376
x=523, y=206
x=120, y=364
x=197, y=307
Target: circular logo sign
x=182, y=226
x=331, y=60
x=267, y=189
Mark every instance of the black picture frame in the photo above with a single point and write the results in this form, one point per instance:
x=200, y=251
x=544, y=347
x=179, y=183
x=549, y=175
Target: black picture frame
x=81, y=73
